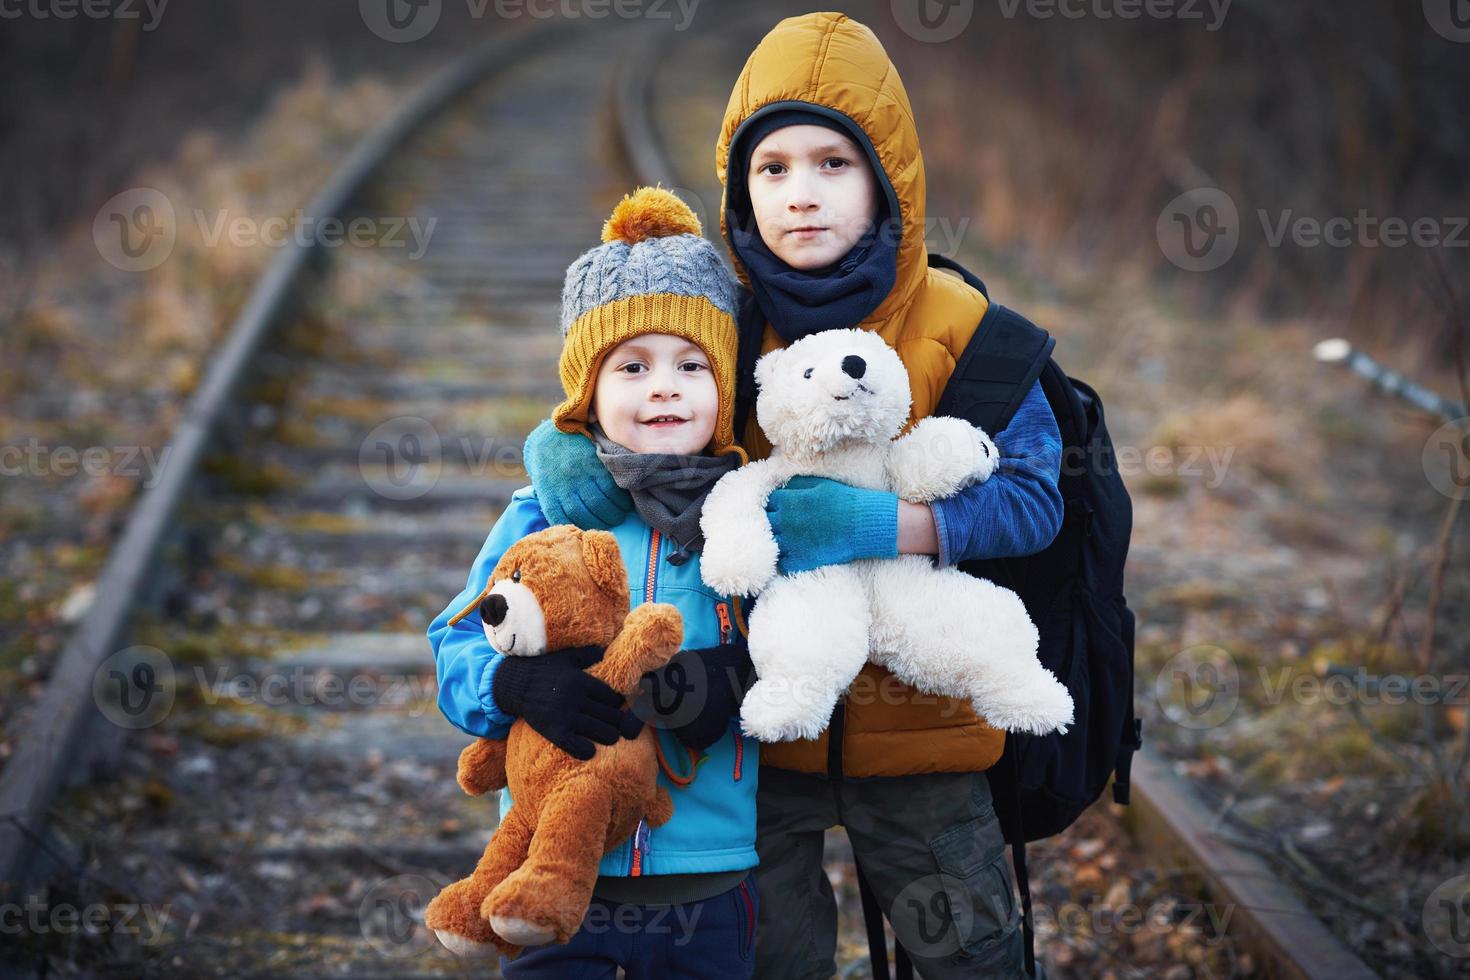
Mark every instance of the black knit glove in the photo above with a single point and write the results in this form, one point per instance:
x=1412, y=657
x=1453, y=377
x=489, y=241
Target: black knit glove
x=696, y=692
x=569, y=708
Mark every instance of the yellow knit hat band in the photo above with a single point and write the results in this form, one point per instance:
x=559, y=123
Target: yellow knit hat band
x=593, y=334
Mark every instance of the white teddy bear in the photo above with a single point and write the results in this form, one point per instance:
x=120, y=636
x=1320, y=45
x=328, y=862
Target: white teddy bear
x=831, y=405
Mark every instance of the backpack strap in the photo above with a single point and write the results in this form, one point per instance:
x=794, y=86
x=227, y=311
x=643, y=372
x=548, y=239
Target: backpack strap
x=1004, y=358
x=1018, y=862
x=877, y=941
x=945, y=262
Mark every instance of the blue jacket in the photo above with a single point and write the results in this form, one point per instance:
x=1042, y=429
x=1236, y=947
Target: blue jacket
x=713, y=827
x=1018, y=511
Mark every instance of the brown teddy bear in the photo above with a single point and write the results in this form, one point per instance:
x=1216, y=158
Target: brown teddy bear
x=558, y=588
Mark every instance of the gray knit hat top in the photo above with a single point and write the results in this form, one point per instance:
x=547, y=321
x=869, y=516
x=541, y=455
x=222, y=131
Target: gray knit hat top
x=651, y=245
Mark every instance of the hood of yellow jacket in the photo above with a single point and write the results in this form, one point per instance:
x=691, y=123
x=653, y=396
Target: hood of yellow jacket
x=827, y=62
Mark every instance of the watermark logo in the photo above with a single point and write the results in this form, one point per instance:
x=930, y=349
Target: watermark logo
x=932, y=21
x=926, y=922
x=309, y=687
x=1199, y=687
x=1363, y=230
x=1119, y=916
x=673, y=695
x=1199, y=230
x=134, y=688
x=136, y=230
x=305, y=230
x=1449, y=18
x=678, y=921
x=402, y=458
x=1446, y=459
x=149, y=11
x=35, y=459
x=591, y=9
x=400, y=21
x=403, y=21
x=391, y=915
x=1211, y=12
x=1446, y=917
x=1340, y=686
x=35, y=917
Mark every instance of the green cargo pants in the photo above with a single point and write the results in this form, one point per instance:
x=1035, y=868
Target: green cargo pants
x=930, y=846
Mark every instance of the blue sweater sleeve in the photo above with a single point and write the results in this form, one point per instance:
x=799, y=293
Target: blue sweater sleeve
x=464, y=659
x=1018, y=511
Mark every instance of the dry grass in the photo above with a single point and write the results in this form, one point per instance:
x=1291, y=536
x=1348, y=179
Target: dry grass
x=108, y=358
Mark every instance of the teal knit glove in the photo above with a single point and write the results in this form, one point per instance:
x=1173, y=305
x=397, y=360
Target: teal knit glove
x=572, y=485
x=819, y=522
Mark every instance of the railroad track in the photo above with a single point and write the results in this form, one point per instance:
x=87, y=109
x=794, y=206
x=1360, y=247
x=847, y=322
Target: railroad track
x=286, y=801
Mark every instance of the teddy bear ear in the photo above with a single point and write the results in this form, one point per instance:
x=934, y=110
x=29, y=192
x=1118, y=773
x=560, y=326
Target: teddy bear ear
x=765, y=368
x=605, y=562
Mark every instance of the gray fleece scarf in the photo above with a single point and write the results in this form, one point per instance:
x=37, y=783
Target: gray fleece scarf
x=668, y=489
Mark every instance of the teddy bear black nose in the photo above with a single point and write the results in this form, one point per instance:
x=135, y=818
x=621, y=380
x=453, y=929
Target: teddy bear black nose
x=854, y=366
x=493, y=609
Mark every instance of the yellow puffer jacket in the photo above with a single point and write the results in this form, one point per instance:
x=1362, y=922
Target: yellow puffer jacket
x=828, y=59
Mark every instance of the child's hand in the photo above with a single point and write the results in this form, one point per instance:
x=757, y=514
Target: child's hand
x=568, y=707
x=572, y=485
x=819, y=522
x=695, y=694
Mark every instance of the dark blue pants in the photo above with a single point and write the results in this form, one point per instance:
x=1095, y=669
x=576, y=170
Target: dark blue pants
x=709, y=940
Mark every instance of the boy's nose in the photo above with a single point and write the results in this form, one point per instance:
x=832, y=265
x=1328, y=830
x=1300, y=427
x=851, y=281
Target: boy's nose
x=854, y=366
x=493, y=609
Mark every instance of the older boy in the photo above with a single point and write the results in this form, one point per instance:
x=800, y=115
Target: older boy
x=823, y=213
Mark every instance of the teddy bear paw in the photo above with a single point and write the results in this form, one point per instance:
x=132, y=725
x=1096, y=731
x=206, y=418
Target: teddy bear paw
x=742, y=570
x=774, y=714
x=658, y=626
x=1035, y=708
x=454, y=915
x=520, y=932
x=466, y=948
x=940, y=457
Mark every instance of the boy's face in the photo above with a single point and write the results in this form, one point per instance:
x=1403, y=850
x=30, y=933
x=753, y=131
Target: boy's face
x=656, y=376
x=813, y=194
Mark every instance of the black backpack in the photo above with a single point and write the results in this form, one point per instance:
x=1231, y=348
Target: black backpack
x=1073, y=589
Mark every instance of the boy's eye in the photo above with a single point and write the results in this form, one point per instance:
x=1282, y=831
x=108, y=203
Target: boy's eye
x=696, y=365
x=837, y=160
x=765, y=168
x=629, y=368
x=807, y=373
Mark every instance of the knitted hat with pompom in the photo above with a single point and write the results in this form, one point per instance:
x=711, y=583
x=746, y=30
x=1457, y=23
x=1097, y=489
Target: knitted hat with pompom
x=654, y=273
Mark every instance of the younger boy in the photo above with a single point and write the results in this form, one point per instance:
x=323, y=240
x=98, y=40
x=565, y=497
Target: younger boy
x=648, y=366
x=824, y=213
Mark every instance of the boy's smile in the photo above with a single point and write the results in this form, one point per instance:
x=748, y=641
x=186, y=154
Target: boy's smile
x=813, y=194
x=656, y=393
